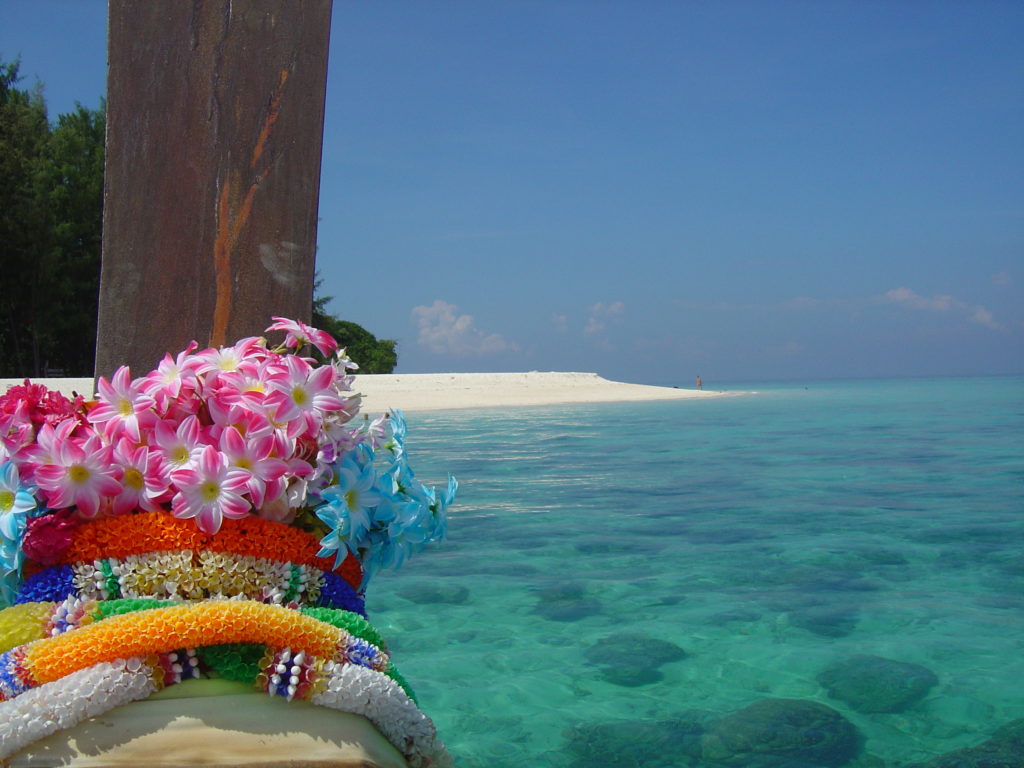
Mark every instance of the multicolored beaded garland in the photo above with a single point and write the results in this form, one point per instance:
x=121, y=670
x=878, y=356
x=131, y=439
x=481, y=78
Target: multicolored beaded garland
x=218, y=517
x=194, y=576
x=287, y=629
x=162, y=627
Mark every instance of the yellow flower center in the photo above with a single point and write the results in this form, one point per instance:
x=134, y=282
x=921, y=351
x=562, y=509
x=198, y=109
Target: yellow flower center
x=300, y=396
x=133, y=478
x=209, y=490
x=179, y=455
x=6, y=501
x=78, y=474
x=350, y=499
x=243, y=463
x=125, y=407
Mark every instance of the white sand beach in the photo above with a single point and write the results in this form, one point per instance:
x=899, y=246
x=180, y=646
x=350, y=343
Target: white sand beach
x=447, y=391
x=64, y=386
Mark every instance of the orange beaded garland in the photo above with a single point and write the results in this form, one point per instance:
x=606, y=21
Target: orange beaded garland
x=162, y=532
x=180, y=626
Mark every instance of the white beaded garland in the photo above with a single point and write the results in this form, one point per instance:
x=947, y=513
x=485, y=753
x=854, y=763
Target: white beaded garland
x=66, y=702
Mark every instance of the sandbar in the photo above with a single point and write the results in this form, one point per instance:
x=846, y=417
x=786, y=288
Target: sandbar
x=450, y=391
x=413, y=392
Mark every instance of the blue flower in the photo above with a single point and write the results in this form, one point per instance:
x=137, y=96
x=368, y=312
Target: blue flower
x=398, y=426
x=360, y=456
x=338, y=540
x=16, y=502
x=396, y=445
x=346, y=509
x=439, y=531
x=383, y=516
x=407, y=485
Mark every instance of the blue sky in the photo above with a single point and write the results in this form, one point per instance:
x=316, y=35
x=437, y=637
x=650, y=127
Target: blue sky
x=655, y=190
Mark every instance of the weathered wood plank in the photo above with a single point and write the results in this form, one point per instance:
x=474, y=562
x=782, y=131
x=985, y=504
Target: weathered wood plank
x=214, y=134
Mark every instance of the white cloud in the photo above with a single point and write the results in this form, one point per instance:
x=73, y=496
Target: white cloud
x=973, y=312
x=561, y=322
x=908, y=298
x=982, y=316
x=445, y=332
x=600, y=313
x=1002, y=278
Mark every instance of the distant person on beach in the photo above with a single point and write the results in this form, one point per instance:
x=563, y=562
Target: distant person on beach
x=700, y=384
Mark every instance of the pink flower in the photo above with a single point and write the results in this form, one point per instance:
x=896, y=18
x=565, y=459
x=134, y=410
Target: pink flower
x=302, y=394
x=166, y=382
x=48, y=537
x=39, y=404
x=16, y=431
x=44, y=450
x=142, y=477
x=210, y=491
x=298, y=334
x=227, y=359
x=240, y=393
x=122, y=406
x=81, y=475
x=254, y=456
x=178, y=447
x=177, y=409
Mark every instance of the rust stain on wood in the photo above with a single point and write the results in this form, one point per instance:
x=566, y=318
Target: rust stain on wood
x=230, y=228
x=268, y=124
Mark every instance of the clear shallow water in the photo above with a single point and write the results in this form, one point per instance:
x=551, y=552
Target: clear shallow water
x=768, y=536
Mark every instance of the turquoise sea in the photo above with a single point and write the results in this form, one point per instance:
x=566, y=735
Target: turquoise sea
x=821, y=574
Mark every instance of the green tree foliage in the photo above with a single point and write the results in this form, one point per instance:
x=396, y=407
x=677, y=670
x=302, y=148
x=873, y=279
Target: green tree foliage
x=373, y=355
x=76, y=203
x=51, y=211
x=23, y=228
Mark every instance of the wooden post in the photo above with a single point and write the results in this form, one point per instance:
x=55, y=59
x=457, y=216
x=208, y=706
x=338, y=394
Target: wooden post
x=214, y=132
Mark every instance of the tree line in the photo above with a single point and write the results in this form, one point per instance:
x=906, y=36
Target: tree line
x=51, y=229
x=51, y=219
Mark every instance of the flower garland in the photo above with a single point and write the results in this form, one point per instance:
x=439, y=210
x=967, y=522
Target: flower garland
x=362, y=691
x=97, y=689
x=116, y=627
x=87, y=693
x=34, y=621
x=138, y=534
x=20, y=624
x=192, y=576
x=234, y=661
x=220, y=515
x=208, y=574
x=167, y=628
